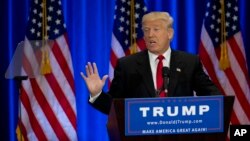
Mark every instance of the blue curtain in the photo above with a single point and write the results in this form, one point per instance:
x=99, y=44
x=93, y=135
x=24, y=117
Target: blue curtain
x=89, y=26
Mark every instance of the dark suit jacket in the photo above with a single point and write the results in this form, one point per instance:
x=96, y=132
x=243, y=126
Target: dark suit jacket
x=133, y=79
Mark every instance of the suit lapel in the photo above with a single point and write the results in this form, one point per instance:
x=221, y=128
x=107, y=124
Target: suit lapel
x=175, y=70
x=144, y=69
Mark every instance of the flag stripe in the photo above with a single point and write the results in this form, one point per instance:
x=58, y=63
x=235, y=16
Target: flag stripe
x=212, y=74
x=49, y=112
x=235, y=81
x=62, y=99
x=39, y=114
x=240, y=57
x=60, y=48
x=33, y=121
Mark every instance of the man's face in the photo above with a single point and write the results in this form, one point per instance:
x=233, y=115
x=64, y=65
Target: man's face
x=157, y=36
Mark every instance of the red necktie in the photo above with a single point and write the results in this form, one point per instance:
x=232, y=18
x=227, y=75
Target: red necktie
x=159, y=78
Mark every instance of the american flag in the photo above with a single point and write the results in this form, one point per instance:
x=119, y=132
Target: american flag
x=47, y=102
x=232, y=79
x=127, y=36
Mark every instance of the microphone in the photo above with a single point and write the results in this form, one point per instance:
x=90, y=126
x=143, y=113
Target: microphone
x=165, y=75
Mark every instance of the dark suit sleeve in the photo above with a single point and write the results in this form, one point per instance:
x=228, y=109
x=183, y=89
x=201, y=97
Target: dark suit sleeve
x=104, y=101
x=203, y=84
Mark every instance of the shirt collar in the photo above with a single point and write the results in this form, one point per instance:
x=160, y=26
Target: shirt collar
x=166, y=54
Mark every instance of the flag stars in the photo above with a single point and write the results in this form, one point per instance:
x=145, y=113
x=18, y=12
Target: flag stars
x=38, y=34
x=136, y=25
x=50, y=9
x=208, y=4
x=122, y=9
x=58, y=21
x=122, y=19
x=228, y=14
x=56, y=31
x=213, y=17
x=36, y=1
x=32, y=30
x=40, y=15
x=49, y=18
x=216, y=39
x=214, y=7
x=121, y=29
x=33, y=21
x=137, y=15
x=236, y=9
x=207, y=14
x=212, y=26
x=137, y=6
x=59, y=12
x=128, y=3
x=229, y=5
x=217, y=30
x=41, y=5
x=235, y=18
x=35, y=11
x=127, y=32
x=39, y=24
x=219, y=11
x=234, y=27
x=218, y=21
x=128, y=13
x=145, y=9
x=59, y=2
x=127, y=22
x=126, y=42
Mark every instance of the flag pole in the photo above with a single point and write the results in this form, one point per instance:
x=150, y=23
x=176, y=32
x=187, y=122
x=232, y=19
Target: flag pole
x=45, y=64
x=224, y=60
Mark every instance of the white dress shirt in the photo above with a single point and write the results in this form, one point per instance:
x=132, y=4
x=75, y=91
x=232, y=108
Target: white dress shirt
x=154, y=62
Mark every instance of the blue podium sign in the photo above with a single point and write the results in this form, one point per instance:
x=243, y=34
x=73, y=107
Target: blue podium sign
x=174, y=115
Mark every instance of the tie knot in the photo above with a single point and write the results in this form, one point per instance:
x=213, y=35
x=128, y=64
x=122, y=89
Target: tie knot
x=160, y=57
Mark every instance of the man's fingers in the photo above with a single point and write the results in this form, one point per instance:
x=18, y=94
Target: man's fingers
x=90, y=68
x=95, y=69
x=104, y=78
x=87, y=70
x=83, y=76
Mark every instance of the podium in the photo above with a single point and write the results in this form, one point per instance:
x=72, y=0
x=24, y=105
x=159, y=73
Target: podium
x=116, y=126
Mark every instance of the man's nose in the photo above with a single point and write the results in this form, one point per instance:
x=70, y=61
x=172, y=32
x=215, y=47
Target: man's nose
x=151, y=33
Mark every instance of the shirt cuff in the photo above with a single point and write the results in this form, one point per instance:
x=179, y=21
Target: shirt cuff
x=93, y=98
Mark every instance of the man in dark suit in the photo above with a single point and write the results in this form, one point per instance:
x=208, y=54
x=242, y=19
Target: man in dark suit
x=135, y=76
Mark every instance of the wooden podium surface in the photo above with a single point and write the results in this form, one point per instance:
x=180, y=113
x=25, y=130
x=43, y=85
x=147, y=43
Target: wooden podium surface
x=116, y=126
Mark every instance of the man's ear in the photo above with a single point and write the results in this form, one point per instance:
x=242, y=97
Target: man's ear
x=170, y=33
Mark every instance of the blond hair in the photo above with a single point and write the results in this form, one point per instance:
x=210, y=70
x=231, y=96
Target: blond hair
x=165, y=16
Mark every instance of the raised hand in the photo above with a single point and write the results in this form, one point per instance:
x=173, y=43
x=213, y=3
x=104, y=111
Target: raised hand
x=92, y=80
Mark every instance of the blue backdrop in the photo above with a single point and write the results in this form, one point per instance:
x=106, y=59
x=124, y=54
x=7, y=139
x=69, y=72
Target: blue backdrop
x=89, y=25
